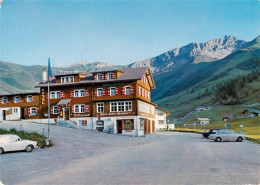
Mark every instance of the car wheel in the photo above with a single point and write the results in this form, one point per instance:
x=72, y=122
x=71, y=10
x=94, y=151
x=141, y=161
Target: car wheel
x=239, y=139
x=29, y=148
x=218, y=139
x=1, y=151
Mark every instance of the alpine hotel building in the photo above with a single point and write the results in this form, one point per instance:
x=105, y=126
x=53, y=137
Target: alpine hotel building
x=117, y=101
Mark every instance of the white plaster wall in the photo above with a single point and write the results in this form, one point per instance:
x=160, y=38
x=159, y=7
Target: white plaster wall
x=13, y=116
x=157, y=118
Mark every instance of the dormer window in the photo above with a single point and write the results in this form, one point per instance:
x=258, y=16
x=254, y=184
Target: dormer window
x=66, y=79
x=99, y=76
x=17, y=99
x=110, y=76
x=4, y=100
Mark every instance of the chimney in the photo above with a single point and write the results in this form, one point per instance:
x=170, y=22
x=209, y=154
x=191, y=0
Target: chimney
x=44, y=75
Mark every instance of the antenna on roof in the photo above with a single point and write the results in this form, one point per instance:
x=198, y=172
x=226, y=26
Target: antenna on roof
x=81, y=63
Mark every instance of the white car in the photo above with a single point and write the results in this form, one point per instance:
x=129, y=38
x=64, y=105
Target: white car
x=10, y=143
x=227, y=135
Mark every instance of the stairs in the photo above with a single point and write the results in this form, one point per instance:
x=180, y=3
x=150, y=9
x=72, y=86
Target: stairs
x=67, y=123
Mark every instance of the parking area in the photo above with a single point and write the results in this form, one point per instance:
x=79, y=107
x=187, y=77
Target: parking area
x=90, y=157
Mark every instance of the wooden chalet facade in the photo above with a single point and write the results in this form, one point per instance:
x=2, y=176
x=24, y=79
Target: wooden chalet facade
x=20, y=106
x=117, y=100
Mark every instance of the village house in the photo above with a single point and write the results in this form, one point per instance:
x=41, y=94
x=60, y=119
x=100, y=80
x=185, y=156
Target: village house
x=251, y=112
x=202, y=121
x=230, y=118
x=160, y=118
x=19, y=106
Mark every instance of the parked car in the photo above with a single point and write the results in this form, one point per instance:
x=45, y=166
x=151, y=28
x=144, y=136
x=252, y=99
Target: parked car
x=227, y=135
x=211, y=131
x=10, y=143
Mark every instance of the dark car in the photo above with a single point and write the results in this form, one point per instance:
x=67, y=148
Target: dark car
x=212, y=131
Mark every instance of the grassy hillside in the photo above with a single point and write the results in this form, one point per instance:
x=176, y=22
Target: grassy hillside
x=186, y=88
x=18, y=78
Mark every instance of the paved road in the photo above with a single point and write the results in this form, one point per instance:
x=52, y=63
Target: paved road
x=89, y=157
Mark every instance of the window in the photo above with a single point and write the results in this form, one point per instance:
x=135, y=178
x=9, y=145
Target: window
x=29, y=98
x=79, y=108
x=79, y=93
x=67, y=79
x=110, y=76
x=128, y=106
x=112, y=91
x=15, y=110
x=99, y=76
x=100, y=107
x=99, y=92
x=127, y=90
x=4, y=100
x=17, y=99
x=113, y=107
x=33, y=111
x=160, y=114
x=120, y=106
x=128, y=124
x=55, y=109
x=55, y=94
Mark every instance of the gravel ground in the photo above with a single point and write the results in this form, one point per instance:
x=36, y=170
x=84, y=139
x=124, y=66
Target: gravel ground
x=90, y=157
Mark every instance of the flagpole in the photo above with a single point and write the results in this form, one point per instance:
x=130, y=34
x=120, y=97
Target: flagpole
x=48, y=103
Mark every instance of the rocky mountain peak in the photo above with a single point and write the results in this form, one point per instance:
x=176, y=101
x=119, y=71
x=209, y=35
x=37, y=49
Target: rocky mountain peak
x=194, y=53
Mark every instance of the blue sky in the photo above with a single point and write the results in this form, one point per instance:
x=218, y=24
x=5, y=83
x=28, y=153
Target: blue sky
x=119, y=32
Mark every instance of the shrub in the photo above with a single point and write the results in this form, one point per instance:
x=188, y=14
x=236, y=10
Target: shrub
x=27, y=135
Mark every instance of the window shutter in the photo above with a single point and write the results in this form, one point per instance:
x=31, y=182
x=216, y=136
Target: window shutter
x=103, y=76
x=132, y=89
x=123, y=90
x=95, y=77
x=117, y=91
x=86, y=92
x=114, y=75
x=104, y=92
x=59, y=109
x=95, y=92
x=6, y=100
x=29, y=110
x=37, y=110
x=71, y=94
x=108, y=92
x=47, y=97
x=13, y=99
x=51, y=110
x=20, y=99
x=33, y=98
x=72, y=109
x=25, y=99
x=87, y=108
x=0, y=100
x=62, y=94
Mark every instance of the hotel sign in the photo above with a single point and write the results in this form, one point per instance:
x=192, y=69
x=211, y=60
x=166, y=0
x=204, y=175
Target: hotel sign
x=113, y=84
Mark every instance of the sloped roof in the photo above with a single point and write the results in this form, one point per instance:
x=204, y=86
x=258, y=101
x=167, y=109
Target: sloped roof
x=252, y=110
x=203, y=119
x=128, y=74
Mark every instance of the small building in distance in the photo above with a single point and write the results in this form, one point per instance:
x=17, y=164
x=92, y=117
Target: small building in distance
x=251, y=112
x=160, y=118
x=202, y=121
x=201, y=108
x=230, y=118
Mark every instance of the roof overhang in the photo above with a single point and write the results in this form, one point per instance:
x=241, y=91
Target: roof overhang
x=150, y=79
